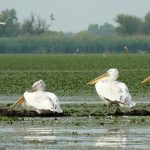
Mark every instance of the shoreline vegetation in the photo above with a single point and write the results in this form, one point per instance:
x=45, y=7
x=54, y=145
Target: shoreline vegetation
x=83, y=42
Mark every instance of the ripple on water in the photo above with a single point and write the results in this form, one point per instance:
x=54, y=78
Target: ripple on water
x=94, y=99
x=55, y=138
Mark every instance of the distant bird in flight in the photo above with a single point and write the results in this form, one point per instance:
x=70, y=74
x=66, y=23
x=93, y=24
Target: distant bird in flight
x=146, y=80
x=52, y=17
x=112, y=91
x=38, y=100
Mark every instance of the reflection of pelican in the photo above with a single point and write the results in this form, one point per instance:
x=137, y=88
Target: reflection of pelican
x=40, y=134
x=146, y=80
x=38, y=100
x=113, y=138
x=112, y=91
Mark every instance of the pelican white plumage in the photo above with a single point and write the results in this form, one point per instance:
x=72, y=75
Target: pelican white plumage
x=2, y=23
x=112, y=91
x=146, y=80
x=38, y=100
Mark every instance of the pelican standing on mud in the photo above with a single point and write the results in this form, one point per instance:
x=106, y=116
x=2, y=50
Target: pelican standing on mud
x=38, y=100
x=112, y=91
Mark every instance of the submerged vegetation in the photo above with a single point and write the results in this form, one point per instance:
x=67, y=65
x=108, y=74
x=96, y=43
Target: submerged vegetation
x=69, y=74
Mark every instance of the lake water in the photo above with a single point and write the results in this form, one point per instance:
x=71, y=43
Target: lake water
x=50, y=137
x=34, y=133
x=75, y=99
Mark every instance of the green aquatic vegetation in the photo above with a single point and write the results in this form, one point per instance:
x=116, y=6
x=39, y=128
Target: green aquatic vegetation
x=69, y=74
x=8, y=119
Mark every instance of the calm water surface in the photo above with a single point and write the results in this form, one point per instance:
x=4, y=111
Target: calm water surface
x=74, y=99
x=73, y=138
x=24, y=135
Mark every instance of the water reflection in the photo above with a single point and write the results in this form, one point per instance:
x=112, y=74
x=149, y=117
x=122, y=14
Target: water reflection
x=113, y=138
x=79, y=137
x=106, y=138
x=40, y=134
x=65, y=138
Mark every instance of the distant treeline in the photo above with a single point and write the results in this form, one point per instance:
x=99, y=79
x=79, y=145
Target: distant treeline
x=36, y=25
x=83, y=42
x=33, y=35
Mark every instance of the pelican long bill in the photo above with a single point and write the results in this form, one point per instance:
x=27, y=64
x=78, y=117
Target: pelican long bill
x=19, y=102
x=146, y=80
x=97, y=79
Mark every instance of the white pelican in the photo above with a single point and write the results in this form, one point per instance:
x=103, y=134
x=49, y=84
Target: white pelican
x=112, y=91
x=2, y=23
x=146, y=80
x=126, y=49
x=38, y=100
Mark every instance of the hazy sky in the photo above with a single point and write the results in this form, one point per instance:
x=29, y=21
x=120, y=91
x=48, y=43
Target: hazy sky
x=76, y=15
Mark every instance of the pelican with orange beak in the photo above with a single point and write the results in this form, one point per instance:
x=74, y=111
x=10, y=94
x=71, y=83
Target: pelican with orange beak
x=38, y=100
x=146, y=80
x=112, y=91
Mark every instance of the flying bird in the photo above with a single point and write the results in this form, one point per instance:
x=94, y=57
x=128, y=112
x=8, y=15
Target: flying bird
x=38, y=100
x=52, y=17
x=112, y=91
x=146, y=80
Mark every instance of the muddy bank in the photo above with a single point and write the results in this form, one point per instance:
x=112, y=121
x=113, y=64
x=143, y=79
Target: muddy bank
x=135, y=112
x=80, y=110
x=19, y=113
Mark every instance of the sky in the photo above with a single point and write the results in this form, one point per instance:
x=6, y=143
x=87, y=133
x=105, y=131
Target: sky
x=76, y=15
